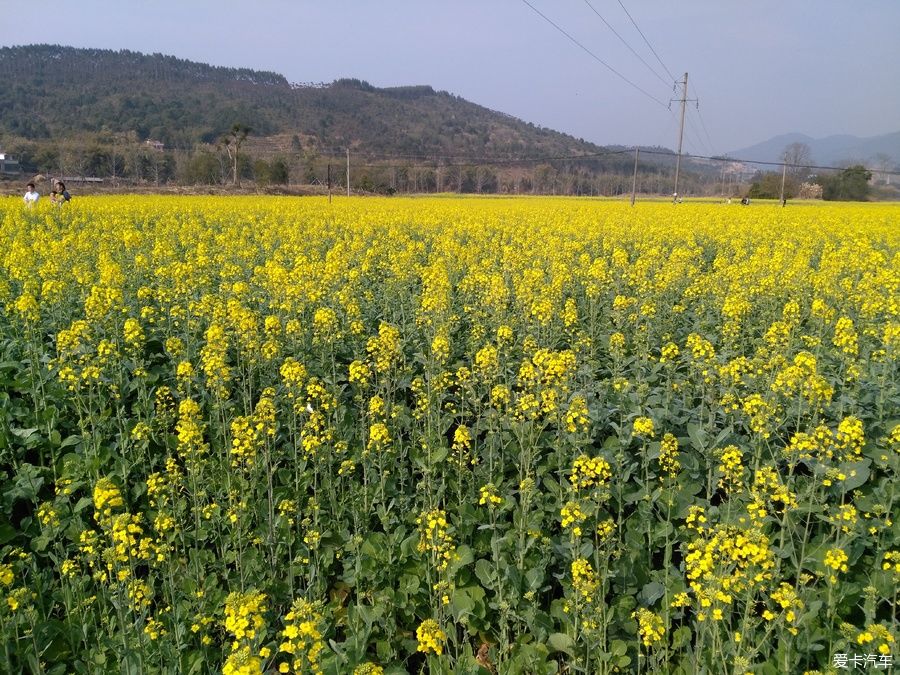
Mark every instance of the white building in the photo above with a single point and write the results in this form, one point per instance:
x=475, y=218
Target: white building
x=8, y=165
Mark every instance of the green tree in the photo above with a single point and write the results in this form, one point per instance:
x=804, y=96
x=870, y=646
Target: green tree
x=851, y=184
x=768, y=186
x=279, y=174
x=262, y=172
x=203, y=168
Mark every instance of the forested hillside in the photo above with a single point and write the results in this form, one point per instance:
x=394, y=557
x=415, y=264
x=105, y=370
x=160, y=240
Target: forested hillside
x=51, y=92
x=91, y=112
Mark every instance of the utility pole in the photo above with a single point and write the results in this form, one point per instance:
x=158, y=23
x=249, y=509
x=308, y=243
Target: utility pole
x=114, y=160
x=683, y=100
x=724, y=196
x=329, y=182
x=348, y=172
x=783, y=175
x=637, y=152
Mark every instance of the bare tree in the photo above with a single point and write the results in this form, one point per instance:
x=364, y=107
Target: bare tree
x=74, y=159
x=232, y=142
x=883, y=163
x=797, y=156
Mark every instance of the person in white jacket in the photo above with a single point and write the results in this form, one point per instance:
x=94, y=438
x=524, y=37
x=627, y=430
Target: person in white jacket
x=31, y=195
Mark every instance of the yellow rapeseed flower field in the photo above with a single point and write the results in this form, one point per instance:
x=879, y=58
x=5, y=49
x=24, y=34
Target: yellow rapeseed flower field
x=255, y=435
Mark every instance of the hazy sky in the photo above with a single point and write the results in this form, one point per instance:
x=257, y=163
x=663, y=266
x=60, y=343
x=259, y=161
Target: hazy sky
x=760, y=67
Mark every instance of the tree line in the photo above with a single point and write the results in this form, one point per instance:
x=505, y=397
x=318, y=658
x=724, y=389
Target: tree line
x=852, y=183
x=125, y=159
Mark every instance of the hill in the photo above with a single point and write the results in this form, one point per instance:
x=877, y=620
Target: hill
x=59, y=92
x=92, y=112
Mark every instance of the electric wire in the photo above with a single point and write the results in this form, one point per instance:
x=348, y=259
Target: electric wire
x=625, y=42
x=492, y=161
x=634, y=23
x=592, y=54
x=702, y=123
x=706, y=131
x=701, y=144
x=454, y=161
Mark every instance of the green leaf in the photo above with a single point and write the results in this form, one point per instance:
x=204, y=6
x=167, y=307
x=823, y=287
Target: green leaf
x=484, y=572
x=7, y=533
x=534, y=578
x=560, y=642
x=464, y=556
x=28, y=483
x=698, y=436
x=70, y=441
x=192, y=662
x=82, y=504
x=680, y=637
x=652, y=592
x=462, y=601
x=22, y=433
x=857, y=474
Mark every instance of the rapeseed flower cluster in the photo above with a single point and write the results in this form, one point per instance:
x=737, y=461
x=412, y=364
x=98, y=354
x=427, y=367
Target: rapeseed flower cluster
x=731, y=469
x=244, y=615
x=431, y=638
x=435, y=538
x=668, y=456
x=584, y=580
x=107, y=498
x=789, y=604
x=877, y=635
x=725, y=561
x=590, y=472
x=303, y=638
x=489, y=497
x=650, y=627
x=643, y=428
x=836, y=560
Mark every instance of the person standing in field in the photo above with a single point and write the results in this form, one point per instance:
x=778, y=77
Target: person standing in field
x=60, y=195
x=31, y=195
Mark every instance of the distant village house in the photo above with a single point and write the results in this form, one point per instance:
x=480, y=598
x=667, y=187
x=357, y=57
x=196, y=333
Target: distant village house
x=9, y=166
x=156, y=145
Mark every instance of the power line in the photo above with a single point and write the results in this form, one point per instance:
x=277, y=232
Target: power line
x=464, y=160
x=491, y=161
x=593, y=55
x=701, y=144
x=674, y=119
x=705, y=131
x=634, y=23
x=455, y=160
x=693, y=140
x=702, y=123
x=754, y=161
x=625, y=42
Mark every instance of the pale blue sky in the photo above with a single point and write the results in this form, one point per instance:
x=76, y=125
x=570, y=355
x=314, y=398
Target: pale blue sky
x=761, y=67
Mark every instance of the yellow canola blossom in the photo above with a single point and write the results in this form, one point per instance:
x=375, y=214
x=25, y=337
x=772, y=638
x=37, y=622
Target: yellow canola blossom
x=210, y=363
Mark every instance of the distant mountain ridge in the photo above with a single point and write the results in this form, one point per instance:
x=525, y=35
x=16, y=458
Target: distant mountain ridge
x=830, y=151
